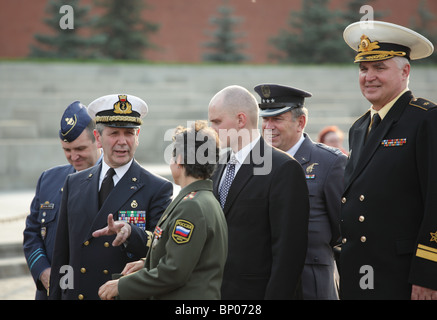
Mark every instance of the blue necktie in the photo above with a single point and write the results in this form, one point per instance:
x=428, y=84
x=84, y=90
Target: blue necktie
x=229, y=177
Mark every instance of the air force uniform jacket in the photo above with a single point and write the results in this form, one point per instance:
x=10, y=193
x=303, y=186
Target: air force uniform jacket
x=39, y=234
x=389, y=206
x=324, y=171
x=92, y=261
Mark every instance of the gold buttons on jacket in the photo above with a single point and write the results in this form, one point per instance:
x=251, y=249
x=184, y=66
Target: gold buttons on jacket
x=80, y=297
x=363, y=239
x=82, y=270
x=106, y=244
x=86, y=243
x=105, y=271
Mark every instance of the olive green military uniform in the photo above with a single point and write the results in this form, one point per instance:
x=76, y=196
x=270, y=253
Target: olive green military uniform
x=188, y=251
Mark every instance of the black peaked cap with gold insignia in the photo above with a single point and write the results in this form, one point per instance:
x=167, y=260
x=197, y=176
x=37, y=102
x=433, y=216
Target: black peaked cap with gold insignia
x=277, y=99
x=118, y=110
x=378, y=40
x=74, y=120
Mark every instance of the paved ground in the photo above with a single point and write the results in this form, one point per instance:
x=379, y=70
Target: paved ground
x=17, y=288
x=13, y=210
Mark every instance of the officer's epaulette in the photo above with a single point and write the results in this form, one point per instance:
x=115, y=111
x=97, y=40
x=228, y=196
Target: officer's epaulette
x=333, y=150
x=422, y=103
x=190, y=195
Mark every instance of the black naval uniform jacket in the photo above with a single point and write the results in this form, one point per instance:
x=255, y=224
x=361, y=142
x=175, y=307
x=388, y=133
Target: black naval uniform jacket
x=389, y=206
x=267, y=216
x=94, y=260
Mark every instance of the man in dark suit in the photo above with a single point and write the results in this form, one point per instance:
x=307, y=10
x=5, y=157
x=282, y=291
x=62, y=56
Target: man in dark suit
x=266, y=205
x=87, y=250
x=388, y=217
x=284, y=120
x=80, y=149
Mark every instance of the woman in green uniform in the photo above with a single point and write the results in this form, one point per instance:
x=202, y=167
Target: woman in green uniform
x=189, y=246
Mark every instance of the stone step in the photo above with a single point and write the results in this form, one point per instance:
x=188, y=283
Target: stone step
x=12, y=261
x=13, y=267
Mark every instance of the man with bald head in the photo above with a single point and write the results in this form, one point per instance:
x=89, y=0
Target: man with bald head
x=264, y=197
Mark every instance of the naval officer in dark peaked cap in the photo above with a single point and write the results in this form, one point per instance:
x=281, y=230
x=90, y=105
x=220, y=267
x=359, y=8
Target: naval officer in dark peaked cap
x=284, y=119
x=80, y=149
x=108, y=211
x=389, y=206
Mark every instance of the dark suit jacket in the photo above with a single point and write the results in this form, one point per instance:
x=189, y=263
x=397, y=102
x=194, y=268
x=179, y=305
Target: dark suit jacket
x=390, y=204
x=94, y=260
x=267, y=216
x=324, y=170
x=40, y=231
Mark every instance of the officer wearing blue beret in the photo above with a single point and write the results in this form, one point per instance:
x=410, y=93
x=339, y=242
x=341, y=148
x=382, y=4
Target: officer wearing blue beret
x=109, y=211
x=284, y=120
x=81, y=151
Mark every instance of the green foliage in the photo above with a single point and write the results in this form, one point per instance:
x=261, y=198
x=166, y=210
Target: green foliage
x=224, y=47
x=314, y=34
x=63, y=43
x=120, y=33
x=123, y=32
x=423, y=24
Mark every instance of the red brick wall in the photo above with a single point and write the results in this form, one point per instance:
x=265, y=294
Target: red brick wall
x=183, y=24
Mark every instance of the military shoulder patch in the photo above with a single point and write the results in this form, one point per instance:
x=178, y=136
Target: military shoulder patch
x=422, y=103
x=190, y=195
x=182, y=231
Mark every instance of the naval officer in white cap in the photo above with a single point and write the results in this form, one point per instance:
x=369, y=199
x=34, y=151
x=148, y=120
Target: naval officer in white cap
x=389, y=206
x=108, y=211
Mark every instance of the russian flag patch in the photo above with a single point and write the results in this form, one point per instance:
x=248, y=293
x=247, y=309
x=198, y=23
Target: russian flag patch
x=182, y=231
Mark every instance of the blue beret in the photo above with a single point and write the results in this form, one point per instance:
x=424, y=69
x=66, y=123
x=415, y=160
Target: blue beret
x=74, y=120
x=277, y=99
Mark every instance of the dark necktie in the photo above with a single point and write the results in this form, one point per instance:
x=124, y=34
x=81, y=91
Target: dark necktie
x=229, y=177
x=107, y=186
x=376, y=119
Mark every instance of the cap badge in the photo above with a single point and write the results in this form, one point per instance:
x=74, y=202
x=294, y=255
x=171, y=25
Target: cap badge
x=265, y=91
x=367, y=45
x=122, y=106
x=70, y=121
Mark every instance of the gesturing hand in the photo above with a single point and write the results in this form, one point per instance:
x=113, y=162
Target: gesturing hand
x=120, y=228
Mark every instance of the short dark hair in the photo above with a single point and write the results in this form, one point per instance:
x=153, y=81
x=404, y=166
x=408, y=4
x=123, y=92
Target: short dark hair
x=198, y=148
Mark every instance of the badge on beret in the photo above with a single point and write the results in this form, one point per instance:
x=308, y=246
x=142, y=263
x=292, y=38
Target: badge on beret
x=182, y=231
